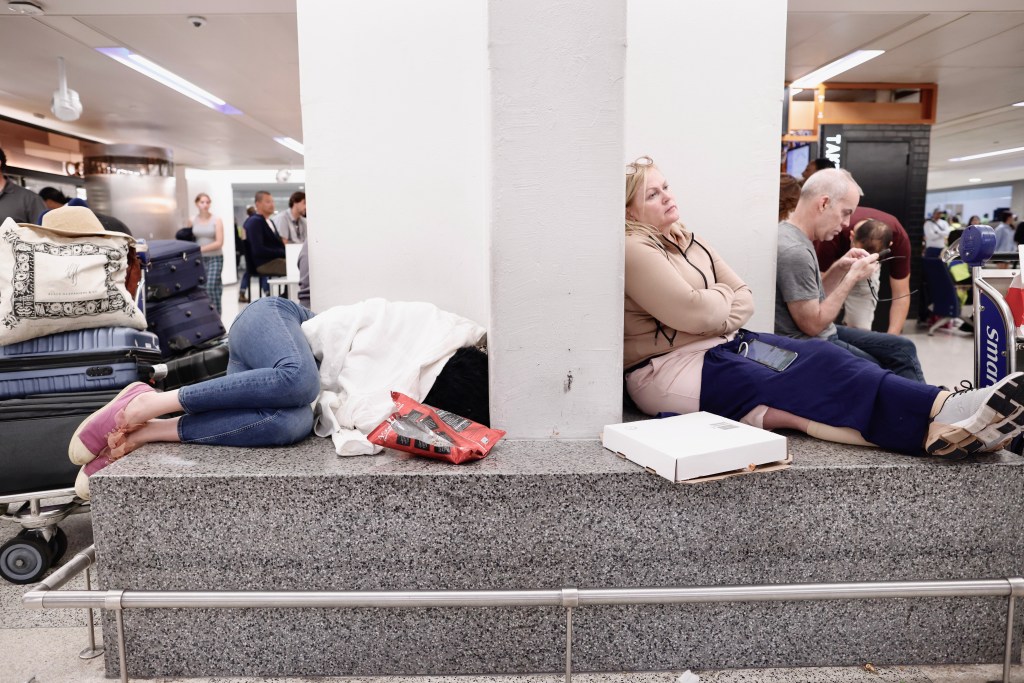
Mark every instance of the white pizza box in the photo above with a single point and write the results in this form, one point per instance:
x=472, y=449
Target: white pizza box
x=697, y=447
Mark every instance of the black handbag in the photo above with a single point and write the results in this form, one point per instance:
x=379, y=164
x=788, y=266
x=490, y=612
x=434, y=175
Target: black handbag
x=185, y=235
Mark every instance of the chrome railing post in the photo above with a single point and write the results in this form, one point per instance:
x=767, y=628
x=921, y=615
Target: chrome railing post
x=113, y=600
x=570, y=599
x=1016, y=588
x=122, y=651
x=91, y=651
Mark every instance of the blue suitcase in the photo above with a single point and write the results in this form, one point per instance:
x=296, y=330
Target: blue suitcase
x=97, y=359
x=173, y=268
x=184, y=323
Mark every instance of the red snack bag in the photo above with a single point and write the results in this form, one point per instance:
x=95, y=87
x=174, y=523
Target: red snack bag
x=416, y=428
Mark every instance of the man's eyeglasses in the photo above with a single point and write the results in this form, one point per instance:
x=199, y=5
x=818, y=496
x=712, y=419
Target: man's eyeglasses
x=871, y=286
x=642, y=162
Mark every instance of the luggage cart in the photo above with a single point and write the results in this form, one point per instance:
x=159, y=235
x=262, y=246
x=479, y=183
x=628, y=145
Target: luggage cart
x=41, y=543
x=997, y=347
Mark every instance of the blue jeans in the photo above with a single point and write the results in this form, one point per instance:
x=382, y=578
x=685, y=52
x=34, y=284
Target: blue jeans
x=264, y=400
x=889, y=351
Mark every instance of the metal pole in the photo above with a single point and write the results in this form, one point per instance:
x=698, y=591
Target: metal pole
x=91, y=651
x=1016, y=590
x=45, y=599
x=568, y=645
x=122, y=652
x=1009, y=638
x=47, y=595
x=570, y=599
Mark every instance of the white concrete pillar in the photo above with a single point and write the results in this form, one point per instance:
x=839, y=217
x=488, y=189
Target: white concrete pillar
x=557, y=70
x=704, y=86
x=394, y=114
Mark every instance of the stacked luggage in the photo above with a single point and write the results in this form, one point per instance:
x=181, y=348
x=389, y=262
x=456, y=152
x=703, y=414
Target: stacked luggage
x=178, y=310
x=49, y=384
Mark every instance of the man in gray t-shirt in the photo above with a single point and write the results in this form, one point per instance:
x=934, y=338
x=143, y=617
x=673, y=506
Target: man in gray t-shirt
x=807, y=302
x=797, y=278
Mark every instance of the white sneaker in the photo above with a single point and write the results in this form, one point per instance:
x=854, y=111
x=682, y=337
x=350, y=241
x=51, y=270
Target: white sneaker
x=978, y=420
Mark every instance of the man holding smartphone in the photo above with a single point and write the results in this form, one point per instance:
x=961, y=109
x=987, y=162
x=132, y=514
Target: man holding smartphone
x=807, y=302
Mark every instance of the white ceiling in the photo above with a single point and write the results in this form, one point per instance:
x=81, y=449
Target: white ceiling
x=247, y=54
x=973, y=50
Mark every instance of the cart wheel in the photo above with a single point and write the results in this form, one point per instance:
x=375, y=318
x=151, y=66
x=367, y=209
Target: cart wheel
x=24, y=559
x=58, y=545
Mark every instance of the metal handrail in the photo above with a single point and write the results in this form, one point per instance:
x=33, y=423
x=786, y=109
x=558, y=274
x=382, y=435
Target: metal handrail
x=46, y=596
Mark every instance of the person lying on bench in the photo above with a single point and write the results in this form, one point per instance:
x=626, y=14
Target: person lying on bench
x=685, y=350
x=282, y=360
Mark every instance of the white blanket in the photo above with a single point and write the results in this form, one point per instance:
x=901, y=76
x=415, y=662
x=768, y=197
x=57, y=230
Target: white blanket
x=369, y=349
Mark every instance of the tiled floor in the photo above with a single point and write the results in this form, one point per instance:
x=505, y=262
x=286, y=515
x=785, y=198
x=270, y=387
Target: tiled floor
x=44, y=646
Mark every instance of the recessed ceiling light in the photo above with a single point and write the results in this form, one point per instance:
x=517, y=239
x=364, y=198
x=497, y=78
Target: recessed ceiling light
x=291, y=144
x=24, y=7
x=974, y=180
x=167, y=78
x=1018, y=104
x=833, y=69
x=989, y=154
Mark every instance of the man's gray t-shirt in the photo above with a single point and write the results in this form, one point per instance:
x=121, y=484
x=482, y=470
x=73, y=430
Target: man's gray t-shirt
x=797, y=278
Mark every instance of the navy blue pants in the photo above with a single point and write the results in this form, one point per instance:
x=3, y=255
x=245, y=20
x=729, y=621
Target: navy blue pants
x=824, y=384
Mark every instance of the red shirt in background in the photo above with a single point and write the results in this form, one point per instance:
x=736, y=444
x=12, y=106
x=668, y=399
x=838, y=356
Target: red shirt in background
x=829, y=252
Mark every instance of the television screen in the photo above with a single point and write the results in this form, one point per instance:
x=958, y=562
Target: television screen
x=797, y=160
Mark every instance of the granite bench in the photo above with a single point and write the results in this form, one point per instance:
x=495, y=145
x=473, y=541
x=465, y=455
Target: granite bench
x=547, y=515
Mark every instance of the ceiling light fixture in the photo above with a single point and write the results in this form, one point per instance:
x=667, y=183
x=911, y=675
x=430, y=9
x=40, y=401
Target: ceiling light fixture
x=1018, y=104
x=291, y=144
x=25, y=7
x=974, y=180
x=167, y=78
x=833, y=69
x=989, y=154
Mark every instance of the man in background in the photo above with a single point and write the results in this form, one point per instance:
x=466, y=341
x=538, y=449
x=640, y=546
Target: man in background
x=265, y=245
x=936, y=230
x=898, y=266
x=291, y=223
x=24, y=206
x=1005, y=243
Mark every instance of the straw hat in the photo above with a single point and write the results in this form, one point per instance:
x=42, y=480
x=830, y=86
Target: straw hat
x=74, y=221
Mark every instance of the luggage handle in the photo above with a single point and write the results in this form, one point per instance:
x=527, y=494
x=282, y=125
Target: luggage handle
x=154, y=372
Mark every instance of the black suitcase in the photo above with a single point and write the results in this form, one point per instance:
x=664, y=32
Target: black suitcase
x=173, y=268
x=195, y=367
x=98, y=359
x=185, y=322
x=36, y=433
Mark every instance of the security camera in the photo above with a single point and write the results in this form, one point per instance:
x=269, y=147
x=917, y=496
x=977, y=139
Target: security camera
x=197, y=22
